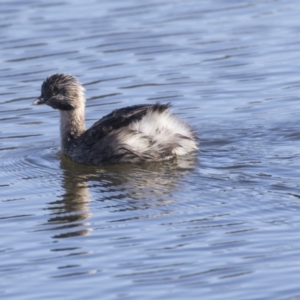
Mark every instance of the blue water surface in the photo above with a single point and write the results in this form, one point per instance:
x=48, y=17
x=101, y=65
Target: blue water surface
x=221, y=224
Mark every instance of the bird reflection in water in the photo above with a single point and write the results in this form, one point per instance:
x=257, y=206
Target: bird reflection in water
x=124, y=187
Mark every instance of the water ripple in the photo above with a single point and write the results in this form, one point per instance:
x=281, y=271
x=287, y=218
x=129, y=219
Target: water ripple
x=28, y=163
x=221, y=224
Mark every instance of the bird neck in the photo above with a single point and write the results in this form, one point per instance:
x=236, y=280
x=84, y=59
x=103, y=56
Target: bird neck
x=72, y=125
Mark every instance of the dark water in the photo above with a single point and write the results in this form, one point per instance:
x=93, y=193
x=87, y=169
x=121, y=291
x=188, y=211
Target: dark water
x=223, y=224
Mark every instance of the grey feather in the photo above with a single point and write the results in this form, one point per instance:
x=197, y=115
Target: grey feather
x=134, y=134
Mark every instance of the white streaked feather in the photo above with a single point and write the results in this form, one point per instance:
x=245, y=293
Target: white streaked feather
x=162, y=128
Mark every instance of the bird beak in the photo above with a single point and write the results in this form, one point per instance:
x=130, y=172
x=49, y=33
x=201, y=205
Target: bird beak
x=38, y=101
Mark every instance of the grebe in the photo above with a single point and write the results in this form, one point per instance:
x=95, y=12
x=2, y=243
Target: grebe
x=133, y=134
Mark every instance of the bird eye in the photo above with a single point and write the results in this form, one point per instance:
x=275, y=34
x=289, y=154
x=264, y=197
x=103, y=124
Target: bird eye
x=54, y=92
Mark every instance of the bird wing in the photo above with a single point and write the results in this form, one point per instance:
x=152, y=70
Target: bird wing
x=121, y=118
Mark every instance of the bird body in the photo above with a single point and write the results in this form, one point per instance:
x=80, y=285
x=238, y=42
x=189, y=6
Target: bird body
x=133, y=134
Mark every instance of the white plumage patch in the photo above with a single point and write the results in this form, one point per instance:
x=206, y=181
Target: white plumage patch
x=162, y=128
